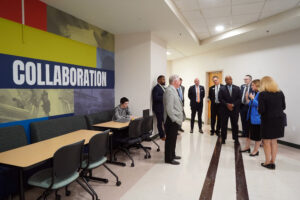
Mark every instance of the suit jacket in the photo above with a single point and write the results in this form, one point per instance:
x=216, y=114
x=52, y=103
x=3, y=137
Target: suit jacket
x=243, y=87
x=173, y=105
x=211, y=93
x=157, y=99
x=235, y=98
x=192, y=95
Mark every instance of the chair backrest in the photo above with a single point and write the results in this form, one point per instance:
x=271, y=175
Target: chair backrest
x=146, y=112
x=12, y=137
x=47, y=129
x=67, y=160
x=98, y=146
x=147, y=126
x=100, y=117
x=135, y=128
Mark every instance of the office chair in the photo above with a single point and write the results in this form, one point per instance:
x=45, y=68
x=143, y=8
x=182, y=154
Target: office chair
x=65, y=166
x=95, y=157
x=147, y=131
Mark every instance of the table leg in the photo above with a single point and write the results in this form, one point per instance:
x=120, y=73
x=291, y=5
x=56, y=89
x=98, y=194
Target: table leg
x=21, y=184
x=111, y=161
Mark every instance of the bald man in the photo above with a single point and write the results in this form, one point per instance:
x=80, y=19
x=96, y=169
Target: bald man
x=230, y=99
x=196, y=94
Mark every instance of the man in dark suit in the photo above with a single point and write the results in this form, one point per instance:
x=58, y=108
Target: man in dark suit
x=230, y=98
x=196, y=95
x=180, y=91
x=157, y=104
x=245, y=91
x=215, y=108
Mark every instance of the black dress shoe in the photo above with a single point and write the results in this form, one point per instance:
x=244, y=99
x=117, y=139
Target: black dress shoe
x=268, y=166
x=181, y=130
x=173, y=162
x=191, y=131
x=257, y=153
x=211, y=133
x=223, y=142
x=200, y=130
x=177, y=157
x=246, y=150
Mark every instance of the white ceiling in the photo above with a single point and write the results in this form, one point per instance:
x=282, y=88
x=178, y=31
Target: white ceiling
x=205, y=15
x=133, y=16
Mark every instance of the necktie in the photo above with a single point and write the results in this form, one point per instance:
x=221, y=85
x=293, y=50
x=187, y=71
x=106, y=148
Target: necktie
x=198, y=94
x=244, y=96
x=230, y=89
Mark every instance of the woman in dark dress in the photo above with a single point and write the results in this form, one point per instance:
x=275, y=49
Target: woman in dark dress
x=271, y=103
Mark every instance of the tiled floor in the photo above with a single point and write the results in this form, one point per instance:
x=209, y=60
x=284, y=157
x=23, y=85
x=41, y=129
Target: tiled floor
x=153, y=179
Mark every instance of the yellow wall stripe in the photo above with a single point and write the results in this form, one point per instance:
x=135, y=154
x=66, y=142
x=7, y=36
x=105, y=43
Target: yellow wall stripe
x=20, y=40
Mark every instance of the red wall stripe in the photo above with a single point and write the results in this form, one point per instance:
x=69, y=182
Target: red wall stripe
x=36, y=14
x=11, y=10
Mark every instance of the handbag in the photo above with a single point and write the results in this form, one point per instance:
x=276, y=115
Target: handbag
x=284, y=119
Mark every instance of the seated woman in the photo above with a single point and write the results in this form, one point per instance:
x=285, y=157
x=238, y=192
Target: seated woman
x=122, y=112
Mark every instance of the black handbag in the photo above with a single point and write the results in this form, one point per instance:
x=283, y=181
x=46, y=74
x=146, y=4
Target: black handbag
x=284, y=119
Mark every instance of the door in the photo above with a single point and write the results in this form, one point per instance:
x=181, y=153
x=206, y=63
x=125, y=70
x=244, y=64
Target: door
x=211, y=83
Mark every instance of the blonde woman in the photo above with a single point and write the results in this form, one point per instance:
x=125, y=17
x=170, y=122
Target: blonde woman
x=271, y=103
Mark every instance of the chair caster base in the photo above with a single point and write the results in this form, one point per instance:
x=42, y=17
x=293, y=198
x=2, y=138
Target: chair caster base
x=118, y=183
x=132, y=164
x=158, y=150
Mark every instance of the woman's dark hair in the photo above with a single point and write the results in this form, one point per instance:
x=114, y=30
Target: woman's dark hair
x=123, y=100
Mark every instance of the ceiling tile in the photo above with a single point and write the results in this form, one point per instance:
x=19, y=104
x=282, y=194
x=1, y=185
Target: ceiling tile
x=185, y=5
x=226, y=21
x=244, y=9
x=237, y=2
x=280, y=5
x=216, y=12
x=199, y=27
x=193, y=15
x=214, y=3
x=245, y=19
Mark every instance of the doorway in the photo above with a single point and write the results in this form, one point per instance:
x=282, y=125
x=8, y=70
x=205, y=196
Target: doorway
x=210, y=83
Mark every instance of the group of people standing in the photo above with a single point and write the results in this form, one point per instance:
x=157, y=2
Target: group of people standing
x=259, y=102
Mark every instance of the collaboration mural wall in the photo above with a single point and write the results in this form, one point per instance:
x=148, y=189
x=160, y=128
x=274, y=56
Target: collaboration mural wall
x=52, y=64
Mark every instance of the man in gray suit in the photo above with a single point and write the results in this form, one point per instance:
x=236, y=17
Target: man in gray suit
x=173, y=118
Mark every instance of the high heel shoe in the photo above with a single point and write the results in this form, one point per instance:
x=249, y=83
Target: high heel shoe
x=268, y=166
x=257, y=153
x=246, y=150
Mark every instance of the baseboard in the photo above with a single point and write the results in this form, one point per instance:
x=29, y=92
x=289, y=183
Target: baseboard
x=297, y=146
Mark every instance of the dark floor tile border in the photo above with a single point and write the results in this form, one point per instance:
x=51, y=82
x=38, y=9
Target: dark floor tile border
x=208, y=186
x=240, y=178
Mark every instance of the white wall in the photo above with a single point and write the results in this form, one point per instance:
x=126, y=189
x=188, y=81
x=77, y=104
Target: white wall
x=132, y=70
x=277, y=56
x=139, y=59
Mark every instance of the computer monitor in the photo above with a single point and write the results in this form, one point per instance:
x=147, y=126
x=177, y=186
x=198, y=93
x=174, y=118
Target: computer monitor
x=146, y=113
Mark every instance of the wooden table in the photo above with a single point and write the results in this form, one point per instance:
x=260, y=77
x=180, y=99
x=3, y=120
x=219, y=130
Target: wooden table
x=29, y=155
x=114, y=126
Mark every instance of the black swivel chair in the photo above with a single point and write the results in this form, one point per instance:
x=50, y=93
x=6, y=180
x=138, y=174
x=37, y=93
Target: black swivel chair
x=65, y=166
x=147, y=131
x=10, y=138
x=133, y=137
x=96, y=157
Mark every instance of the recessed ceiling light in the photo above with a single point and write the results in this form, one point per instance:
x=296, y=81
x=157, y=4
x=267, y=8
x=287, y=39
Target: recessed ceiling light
x=219, y=28
x=168, y=53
